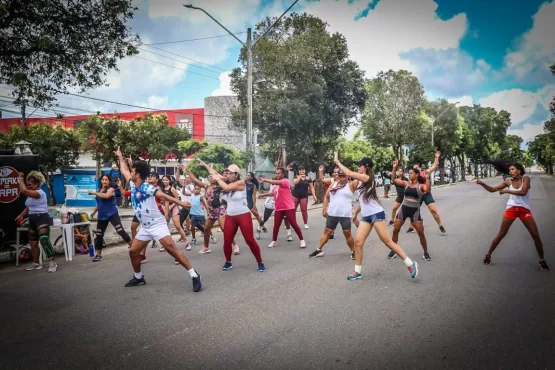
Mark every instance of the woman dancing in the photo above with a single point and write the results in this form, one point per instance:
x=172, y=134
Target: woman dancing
x=269, y=207
x=167, y=188
x=36, y=207
x=427, y=198
x=373, y=216
x=107, y=214
x=252, y=187
x=303, y=187
x=285, y=206
x=518, y=206
x=238, y=214
x=415, y=189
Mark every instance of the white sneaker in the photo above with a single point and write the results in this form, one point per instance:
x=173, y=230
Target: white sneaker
x=236, y=249
x=306, y=227
x=289, y=238
x=303, y=244
x=213, y=240
x=52, y=267
x=188, y=247
x=162, y=249
x=272, y=245
x=34, y=266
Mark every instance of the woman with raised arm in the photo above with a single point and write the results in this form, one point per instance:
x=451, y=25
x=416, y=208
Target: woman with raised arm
x=373, y=216
x=518, y=206
x=285, y=205
x=415, y=188
x=269, y=207
x=107, y=214
x=427, y=197
x=36, y=207
x=238, y=214
x=215, y=208
x=303, y=188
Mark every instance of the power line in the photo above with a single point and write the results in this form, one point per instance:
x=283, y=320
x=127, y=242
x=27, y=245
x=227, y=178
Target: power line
x=189, y=40
x=181, y=56
x=181, y=69
x=176, y=60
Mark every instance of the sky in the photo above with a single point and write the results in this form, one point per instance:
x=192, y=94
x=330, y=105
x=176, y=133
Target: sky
x=496, y=53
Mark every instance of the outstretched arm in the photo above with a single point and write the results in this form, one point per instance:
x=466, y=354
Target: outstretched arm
x=394, y=175
x=163, y=196
x=109, y=193
x=321, y=177
x=355, y=175
x=493, y=189
x=122, y=165
x=434, y=166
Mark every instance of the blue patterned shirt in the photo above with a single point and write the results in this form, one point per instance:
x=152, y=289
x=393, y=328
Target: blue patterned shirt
x=143, y=199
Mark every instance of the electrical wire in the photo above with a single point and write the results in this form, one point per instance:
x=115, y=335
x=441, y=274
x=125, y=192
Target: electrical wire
x=181, y=56
x=181, y=69
x=177, y=60
x=189, y=40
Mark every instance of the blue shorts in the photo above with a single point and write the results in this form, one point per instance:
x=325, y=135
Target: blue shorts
x=380, y=216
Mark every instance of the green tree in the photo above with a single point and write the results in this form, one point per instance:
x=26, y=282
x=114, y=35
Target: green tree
x=220, y=156
x=306, y=90
x=57, y=147
x=510, y=149
x=351, y=151
x=538, y=152
x=466, y=144
x=50, y=47
x=394, y=100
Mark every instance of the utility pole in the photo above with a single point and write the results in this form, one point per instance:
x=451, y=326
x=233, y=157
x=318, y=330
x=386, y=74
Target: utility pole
x=23, y=116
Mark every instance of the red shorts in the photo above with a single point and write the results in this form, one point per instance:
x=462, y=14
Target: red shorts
x=518, y=212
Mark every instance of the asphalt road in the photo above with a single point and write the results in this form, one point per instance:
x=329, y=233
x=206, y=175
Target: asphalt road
x=302, y=313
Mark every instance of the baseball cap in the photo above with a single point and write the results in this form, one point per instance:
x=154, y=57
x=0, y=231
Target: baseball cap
x=340, y=173
x=233, y=168
x=367, y=162
x=153, y=174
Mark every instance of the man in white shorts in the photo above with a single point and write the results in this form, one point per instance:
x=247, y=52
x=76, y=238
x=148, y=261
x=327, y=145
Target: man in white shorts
x=153, y=223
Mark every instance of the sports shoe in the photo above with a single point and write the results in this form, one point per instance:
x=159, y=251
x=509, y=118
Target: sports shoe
x=316, y=253
x=213, y=239
x=487, y=260
x=188, y=247
x=52, y=267
x=204, y=250
x=197, y=284
x=413, y=270
x=162, y=249
x=135, y=282
x=97, y=258
x=257, y=233
x=391, y=255
x=154, y=245
x=261, y=267
x=227, y=266
x=354, y=275
x=272, y=245
x=34, y=266
x=353, y=255
x=289, y=238
x=143, y=258
x=543, y=265
x=194, y=242
x=410, y=230
x=427, y=257
x=176, y=262
x=306, y=227
x=303, y=244
x=442, y=229
x=391, y=223
x=236, y=249
x=332, y=236
x=264, y=230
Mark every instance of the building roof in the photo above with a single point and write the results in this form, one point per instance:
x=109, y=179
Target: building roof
x=266, y=167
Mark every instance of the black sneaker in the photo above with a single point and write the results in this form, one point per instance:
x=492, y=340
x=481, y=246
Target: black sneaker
x=410, y=230
x=487, y=260
x=391, y=223
x=316, y=253
x=427, y=257
x=391, y=255
x=543, y=265
x=352, y=255
x=442, y=229
x=197, y=284
x=331, y=236
x=135, y=282
x=97, y=258
x=264, y=230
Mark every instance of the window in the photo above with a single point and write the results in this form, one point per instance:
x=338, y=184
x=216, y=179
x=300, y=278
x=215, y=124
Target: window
x=170, y=171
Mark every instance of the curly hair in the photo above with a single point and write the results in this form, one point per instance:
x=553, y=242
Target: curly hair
x=36, y=177
x=504, y=166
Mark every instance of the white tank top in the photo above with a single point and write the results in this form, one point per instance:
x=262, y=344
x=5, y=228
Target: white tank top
x=236, y=203
x=519, y=200
x=341, y=201
x=369, y=208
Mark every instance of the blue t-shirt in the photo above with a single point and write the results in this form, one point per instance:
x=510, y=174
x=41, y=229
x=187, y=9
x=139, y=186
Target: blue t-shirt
x=196, y=206
x=106, y=207
x=143, y=199
x=250, y=189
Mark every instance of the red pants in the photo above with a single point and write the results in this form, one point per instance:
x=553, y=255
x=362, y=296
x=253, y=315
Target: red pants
x=243, y=222
x=304, y=208
x=278, y=217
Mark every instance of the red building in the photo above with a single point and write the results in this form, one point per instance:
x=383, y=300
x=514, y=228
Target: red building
x=191, y=120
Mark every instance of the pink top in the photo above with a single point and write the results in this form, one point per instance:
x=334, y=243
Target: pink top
x=282, y=196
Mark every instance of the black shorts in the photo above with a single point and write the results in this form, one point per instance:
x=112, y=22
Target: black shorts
x=38, y=221
x=135, y=219
x=250, y=204
x=413, y=213
x=427, y=198
x=332, y=222
x=400, y=198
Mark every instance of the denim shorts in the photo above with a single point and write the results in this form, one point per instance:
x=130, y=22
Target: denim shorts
x=380, y=216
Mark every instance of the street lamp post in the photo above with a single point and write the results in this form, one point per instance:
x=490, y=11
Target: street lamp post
x=248, y=45
x=433, y=121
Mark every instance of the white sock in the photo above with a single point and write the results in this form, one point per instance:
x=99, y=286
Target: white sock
x=288, y=232
x=192, y=273
x=408, y=262
x=138, y=275
x=358, y=268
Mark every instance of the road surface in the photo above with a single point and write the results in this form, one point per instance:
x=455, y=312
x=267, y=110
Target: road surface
x=302, y=313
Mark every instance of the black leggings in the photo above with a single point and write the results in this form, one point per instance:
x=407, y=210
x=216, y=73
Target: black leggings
x=268, y=213
x=101, y=227
x=39, y=230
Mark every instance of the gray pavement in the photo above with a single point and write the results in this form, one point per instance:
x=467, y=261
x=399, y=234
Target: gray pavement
x=302, y=313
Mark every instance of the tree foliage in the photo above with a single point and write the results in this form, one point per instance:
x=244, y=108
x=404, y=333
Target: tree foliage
x=52, y=46
x=220, y=156
x=306, y=89
x=352, y=151
x=57, y=147
x=395, y=98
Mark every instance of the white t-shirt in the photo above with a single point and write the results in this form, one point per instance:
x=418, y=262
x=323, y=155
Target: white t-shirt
x=188, y=192
x=143, y=199
x=39, y=205
x=236, y=202
x=340, y=204
x=519, y=200
x=270, y=203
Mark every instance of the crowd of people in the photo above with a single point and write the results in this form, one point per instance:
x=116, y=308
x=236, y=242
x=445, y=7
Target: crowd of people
x=230, y=201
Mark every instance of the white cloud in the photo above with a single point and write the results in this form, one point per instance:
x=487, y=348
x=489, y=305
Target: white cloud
x=464, y=101
x=529, y=61
x=527, y=132
x=157, y=102
x=520, y=103
x=225, y=85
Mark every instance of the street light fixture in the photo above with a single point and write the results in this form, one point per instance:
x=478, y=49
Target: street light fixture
x=249, y=45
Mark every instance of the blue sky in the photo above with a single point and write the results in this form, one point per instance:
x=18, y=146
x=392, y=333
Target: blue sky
x=496, y=53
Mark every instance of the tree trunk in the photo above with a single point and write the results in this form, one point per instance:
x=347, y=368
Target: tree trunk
x=462, y=167
x=453, y=168
x=441, y=169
